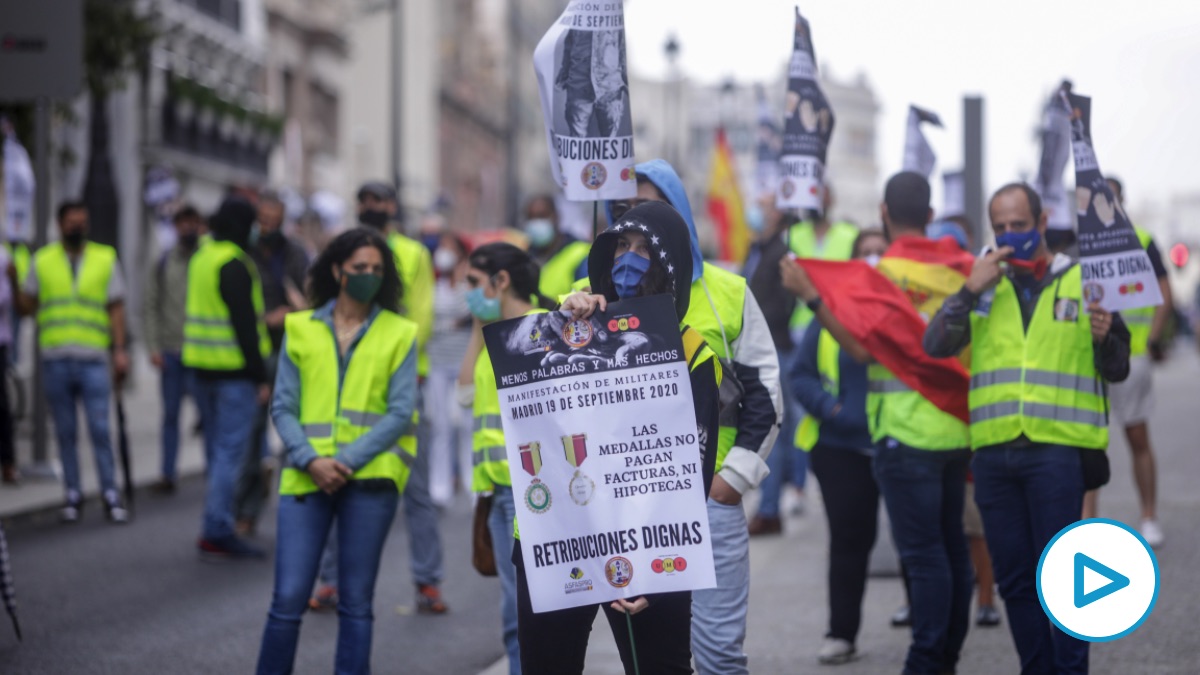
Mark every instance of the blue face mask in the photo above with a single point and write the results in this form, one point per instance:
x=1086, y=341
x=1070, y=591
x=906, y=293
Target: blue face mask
x=482, y=307
x=1024, y=244
x=627, y=273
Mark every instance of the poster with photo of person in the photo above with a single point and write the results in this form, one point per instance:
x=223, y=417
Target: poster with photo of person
x=1116, y=270
x=584, y=84
x=604, y=453
x=807, y=128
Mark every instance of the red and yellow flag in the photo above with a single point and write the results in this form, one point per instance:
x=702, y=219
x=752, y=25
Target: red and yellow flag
x=887, y=309
x=725, y=203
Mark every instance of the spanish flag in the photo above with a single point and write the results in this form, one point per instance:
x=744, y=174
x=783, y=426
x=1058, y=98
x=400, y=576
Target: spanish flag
x=725, y=204
x=887, y=309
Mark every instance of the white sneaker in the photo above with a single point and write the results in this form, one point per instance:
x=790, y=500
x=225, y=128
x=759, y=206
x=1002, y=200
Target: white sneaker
x=117, y=514
x=792, y=502
x=836, y=651
x=1152, y=533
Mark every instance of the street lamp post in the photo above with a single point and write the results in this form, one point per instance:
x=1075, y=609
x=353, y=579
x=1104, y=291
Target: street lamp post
x=671, y=49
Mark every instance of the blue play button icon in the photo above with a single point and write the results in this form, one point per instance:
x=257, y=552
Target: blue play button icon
x=1083, y=563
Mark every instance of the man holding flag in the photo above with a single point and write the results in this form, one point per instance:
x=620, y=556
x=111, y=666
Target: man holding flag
x=916, y=406
x=1039, y=411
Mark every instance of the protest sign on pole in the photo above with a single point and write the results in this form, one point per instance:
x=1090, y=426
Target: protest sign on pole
x=807, y=127
x=584, y=85
x=19, y=188
x=1056, y=150
x=954, y=193
x=766, y=166
x=1116, y=270
x=918, y=155
x=604, y=452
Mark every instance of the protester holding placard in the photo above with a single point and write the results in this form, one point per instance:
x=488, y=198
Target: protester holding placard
x=503, y=279
x=345, y=397
x=725, y=313
x=1041, y=354
x=645, y=253
x=1133, y=399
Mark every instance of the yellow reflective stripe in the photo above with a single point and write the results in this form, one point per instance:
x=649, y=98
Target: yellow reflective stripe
x=405, y=457
x=1047, y=378
x=993, y=410
x=485, y=422
x=57, y=323
x=211, y=342
x=887, y=387
x=492, y=453
x=321, y=430
x=64, y=301
x=1057, y=413
x=362, y=419
x=1138, y=318
x=206, y=321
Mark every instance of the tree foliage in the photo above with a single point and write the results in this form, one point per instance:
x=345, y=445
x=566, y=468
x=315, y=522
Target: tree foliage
x=116, y=41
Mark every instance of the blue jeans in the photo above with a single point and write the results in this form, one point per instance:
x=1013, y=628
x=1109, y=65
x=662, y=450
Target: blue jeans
x=424, y=541
x=66, y=382
x=227, y=408
x=177, y=382
x=924, y=492
x=788, y=464
x=1026, y=495
x=304, y=524
x=425, y=544
x=500, y=524
x=719, y=614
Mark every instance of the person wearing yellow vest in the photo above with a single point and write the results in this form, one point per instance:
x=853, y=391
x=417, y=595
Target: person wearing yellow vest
x=77, y=290
x=502, y=279
x=920, y=463
x=378, y=210
x=832, y=388
x=723, y=310
x=563, y=258
x=1133, y=400
x=1040, y=361
x=815, y=237
x=645, y=252
x=225, y=343
x=345, y=397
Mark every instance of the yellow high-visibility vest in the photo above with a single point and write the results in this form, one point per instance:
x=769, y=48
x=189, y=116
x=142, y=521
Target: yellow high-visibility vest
x=209, y=341
x=334, y=416
x=73, y=308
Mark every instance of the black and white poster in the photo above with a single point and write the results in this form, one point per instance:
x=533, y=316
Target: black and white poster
x=1116, y=269
x=1056, y=152
x=807, y=127
x=584, y=85
x=604, y=453
x=918, y=155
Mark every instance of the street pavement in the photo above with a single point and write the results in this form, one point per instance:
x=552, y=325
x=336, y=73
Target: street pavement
x=96, y=598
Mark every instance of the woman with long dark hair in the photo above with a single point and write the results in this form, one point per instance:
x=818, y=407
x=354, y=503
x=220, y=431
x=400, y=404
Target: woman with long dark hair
x=646, y=252
x=344, y=400
x=503, y=280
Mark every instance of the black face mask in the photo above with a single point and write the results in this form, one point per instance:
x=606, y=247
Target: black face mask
x=272, y=240
x=374, y=218
x=74, y=238
x=189, y=241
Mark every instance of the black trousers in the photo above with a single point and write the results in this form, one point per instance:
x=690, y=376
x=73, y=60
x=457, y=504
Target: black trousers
x=8, y=451
x=555, y=643
x=852, y=508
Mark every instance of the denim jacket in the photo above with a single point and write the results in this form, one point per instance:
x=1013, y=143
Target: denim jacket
x=285, y=406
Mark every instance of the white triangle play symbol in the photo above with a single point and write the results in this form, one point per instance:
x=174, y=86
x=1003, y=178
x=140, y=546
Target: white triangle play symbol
x=1093, y=580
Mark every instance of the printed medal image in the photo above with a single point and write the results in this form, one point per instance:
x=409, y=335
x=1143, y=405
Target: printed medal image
x=537, y=497
x=581, y=487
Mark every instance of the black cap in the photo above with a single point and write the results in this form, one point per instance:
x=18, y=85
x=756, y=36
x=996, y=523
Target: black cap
x=378, y=190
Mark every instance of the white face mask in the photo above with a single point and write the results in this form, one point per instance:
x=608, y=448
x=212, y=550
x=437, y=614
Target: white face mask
x=540, y=232
x=444, y=260
x=873, y=259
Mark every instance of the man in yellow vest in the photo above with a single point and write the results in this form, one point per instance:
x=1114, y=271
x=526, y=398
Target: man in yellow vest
x=378, y=209
x=723, y=310
x=1040, y=358
x=225, y=342
x=1133, y=399
x=77, y=289
x=563, y=258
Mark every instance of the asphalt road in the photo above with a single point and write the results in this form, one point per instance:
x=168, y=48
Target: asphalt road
x=98, y=598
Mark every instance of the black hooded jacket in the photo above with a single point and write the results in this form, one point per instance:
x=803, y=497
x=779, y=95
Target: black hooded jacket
x=232, y=222
x=670, y=244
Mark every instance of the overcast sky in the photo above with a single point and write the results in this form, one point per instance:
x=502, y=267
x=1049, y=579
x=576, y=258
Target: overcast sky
x=1139, y=61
